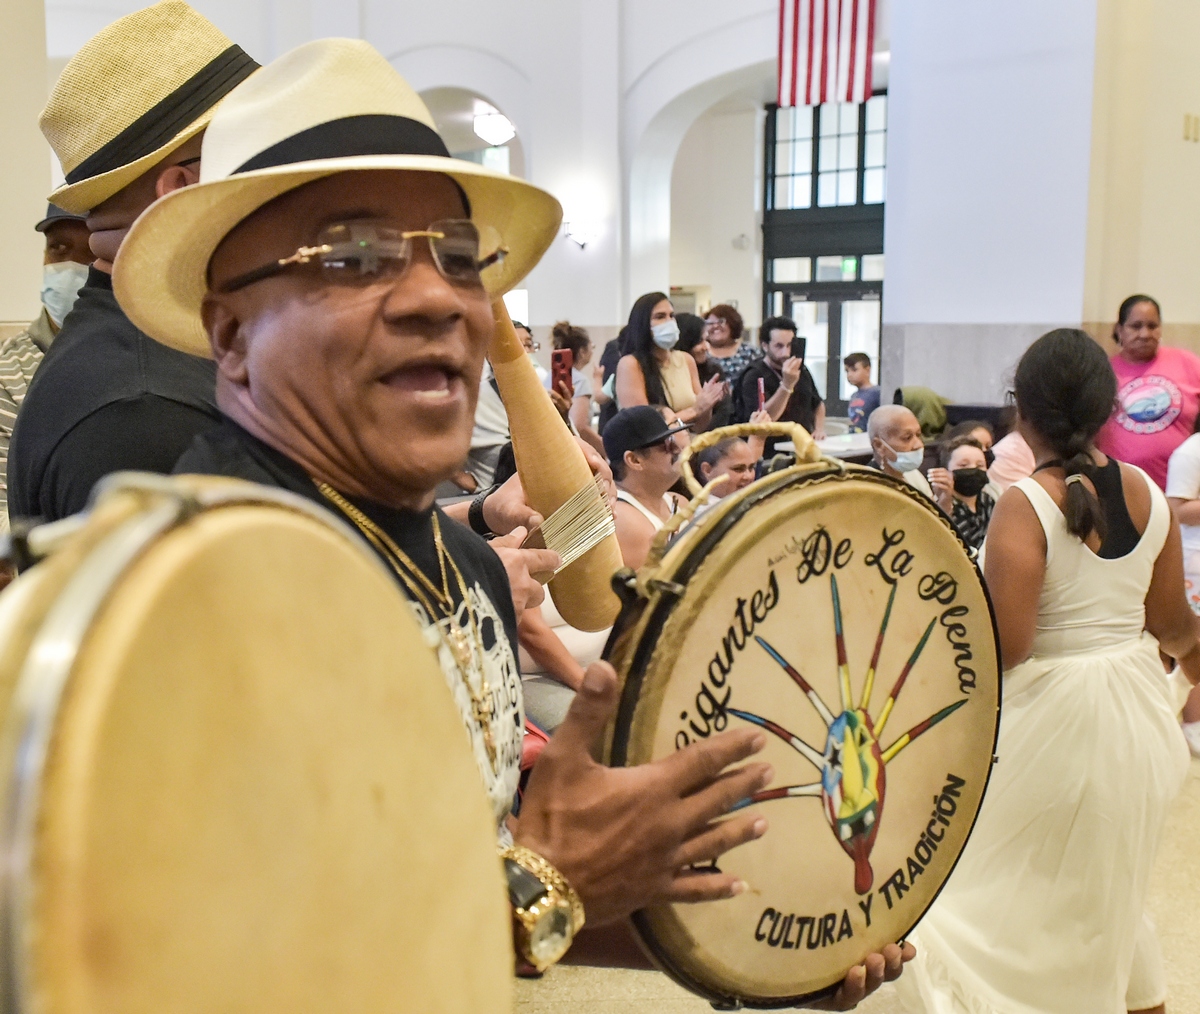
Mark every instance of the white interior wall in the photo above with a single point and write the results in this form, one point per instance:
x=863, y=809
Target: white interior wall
x=1144, y=230
x=716, y=199
x=26, y=172
x=601, y=95
x=989, y=131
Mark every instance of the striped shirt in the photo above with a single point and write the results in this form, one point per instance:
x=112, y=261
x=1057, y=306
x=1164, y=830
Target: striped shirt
x=20, y=356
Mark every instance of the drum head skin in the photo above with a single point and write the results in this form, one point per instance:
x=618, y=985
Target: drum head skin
x=257, y=794
x=839, y=612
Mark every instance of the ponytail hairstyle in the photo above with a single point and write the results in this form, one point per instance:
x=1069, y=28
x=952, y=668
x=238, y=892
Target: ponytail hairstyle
x=1126, y=309
x=1065, y=392
x=567, y=336
x=640, y=345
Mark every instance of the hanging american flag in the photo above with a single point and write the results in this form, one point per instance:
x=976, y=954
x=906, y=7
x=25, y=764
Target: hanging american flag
x=825, y=51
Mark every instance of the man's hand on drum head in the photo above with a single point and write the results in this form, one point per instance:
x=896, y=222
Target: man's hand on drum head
x=862, y=980
x=629, y=837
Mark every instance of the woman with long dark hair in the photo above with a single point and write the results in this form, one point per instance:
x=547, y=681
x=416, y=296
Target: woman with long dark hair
x=695, y=344
x=1083, y=562
x=652, y=372
x=694, y=341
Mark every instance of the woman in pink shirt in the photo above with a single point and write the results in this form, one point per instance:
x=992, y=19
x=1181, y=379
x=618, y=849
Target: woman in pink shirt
x=1158, y=392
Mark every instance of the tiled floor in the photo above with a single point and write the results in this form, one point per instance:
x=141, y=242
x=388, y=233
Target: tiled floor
x=1175, y=903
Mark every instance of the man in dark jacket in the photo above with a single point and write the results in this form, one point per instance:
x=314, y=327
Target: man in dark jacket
x=107, y=398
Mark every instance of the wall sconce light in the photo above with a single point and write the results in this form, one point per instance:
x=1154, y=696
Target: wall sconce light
x=582, y=233
x=495, y=128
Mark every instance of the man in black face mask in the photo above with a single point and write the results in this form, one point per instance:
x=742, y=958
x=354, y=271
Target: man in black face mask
x=964, y=471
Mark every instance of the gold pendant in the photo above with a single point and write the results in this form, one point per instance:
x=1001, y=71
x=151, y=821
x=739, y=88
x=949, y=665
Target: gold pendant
x=489, y=745
x=483, y=718
x=460, y=648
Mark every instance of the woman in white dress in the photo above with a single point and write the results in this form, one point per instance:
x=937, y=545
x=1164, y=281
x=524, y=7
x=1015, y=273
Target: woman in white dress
x=1045, y=910
x=1183, y=494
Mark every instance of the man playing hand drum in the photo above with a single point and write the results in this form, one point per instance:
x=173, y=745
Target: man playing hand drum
x=340, y=267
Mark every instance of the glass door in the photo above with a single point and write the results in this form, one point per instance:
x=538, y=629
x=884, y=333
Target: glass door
x=836, y=320
x=812, y=322
x=835, y=302
x=860, y=333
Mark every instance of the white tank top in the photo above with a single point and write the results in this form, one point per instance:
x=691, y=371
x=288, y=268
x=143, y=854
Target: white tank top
x=649, y=515
x=1089, y=603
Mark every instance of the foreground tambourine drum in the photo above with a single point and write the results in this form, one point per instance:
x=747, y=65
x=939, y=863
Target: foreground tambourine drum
x=232, y=776
x=837, y=610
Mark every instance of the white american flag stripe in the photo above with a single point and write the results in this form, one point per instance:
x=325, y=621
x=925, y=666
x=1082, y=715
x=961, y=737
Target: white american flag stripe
x=825, y=51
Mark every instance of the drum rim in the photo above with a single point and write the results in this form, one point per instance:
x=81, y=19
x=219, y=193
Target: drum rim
x=29, y=725
x=654, y=612
x=27, y=730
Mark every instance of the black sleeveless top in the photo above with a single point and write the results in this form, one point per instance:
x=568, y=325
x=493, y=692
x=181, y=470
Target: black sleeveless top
x=1122, y=536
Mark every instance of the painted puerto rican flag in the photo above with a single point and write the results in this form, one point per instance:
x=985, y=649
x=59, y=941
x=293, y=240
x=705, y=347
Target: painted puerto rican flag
x=825, y=51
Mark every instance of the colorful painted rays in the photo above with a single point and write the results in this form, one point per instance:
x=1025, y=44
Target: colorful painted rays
x=853, y=767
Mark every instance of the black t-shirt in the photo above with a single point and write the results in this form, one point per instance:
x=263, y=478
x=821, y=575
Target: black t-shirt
x=231, y=451
x=801, y=407
x=105, y=399
x=609, y=357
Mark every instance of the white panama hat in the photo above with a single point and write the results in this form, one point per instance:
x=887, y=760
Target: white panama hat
x=330, y=106
x=135, y=92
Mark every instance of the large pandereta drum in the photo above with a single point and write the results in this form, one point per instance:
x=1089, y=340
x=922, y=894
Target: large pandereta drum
x=837, y=610
x=232, y=777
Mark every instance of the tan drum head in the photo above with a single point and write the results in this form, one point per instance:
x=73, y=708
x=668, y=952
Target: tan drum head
x=257, y=794
x=838, y=611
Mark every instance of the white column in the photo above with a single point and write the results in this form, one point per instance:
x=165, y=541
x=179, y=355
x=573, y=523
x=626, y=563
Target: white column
x=26, y=160
x=1144, y=223
x=990, y=115
x=572, y=150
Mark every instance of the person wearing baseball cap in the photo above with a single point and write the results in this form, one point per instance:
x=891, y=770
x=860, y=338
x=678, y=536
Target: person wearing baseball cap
x=644, y=457
x=125, y=120
x=65, y=265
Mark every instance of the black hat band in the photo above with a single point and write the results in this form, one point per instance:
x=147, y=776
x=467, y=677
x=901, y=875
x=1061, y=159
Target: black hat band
x=167, y=117
x=372, y=134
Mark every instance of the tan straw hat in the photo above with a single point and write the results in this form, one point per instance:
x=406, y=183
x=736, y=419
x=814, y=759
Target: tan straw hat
x=133, y=94
x=330, y=106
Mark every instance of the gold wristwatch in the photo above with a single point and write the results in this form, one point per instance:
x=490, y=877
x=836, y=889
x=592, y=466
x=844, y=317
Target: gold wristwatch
x=546, y=910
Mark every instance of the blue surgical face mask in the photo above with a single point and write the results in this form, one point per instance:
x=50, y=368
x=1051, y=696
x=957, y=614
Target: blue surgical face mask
x=907, y=461
x=60, y=285
x=666, y=334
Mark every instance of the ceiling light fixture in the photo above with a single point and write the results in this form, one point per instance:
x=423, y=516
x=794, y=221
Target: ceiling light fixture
x=495, y=128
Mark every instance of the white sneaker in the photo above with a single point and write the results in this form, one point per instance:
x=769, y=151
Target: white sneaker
x=1191, y=732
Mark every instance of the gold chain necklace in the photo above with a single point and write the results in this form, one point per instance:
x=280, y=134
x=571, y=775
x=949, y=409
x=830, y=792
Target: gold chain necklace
x=427, y=594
